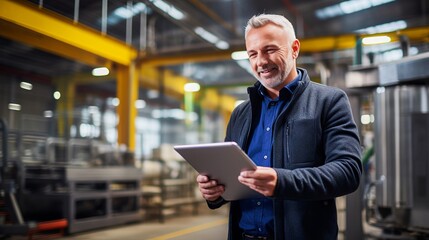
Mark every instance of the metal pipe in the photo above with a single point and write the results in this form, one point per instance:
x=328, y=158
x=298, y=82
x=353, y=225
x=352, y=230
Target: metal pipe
x=143, y=30
x=76, y=11
x=405, y=45
x=129, y=28
x=4, y=132
x=358, y=51
x=104, y=17
x=15, y=207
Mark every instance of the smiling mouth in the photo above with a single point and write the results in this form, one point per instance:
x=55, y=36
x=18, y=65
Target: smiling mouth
x=266, y=70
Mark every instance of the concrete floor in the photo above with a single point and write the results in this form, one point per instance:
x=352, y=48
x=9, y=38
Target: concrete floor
x=207, y=224
x=202, y=226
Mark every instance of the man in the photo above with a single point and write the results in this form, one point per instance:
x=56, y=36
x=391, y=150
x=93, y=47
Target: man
x=300, y=134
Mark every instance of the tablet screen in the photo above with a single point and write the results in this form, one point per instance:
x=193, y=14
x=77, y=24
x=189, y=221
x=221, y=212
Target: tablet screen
x=221, y=161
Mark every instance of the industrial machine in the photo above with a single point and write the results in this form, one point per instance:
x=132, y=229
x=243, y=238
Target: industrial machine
x=12, y=221
x=84, y=183
x=397, y=199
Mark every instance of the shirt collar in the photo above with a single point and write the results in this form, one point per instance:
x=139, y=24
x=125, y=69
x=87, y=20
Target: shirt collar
x=288, y=89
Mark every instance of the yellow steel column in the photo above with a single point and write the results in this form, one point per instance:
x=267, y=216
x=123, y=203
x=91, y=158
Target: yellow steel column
x=65, y=105
x=61, y=109
x=127, y=93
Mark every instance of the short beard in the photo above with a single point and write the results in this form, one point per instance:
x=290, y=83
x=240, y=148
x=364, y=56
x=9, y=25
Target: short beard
x=273, y=82
x=279, y=79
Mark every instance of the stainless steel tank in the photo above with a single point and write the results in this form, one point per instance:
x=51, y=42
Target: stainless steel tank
x=401, y=130
x=401, y=145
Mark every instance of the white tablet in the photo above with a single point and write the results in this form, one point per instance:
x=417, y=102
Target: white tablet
x=221, y=161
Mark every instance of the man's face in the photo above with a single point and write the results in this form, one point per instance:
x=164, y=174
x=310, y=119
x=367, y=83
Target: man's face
x=271, y=56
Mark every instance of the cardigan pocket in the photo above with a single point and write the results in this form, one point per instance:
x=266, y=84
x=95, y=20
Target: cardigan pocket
x=301, y=142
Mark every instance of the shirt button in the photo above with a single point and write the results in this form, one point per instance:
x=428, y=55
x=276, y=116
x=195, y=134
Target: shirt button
x=265, y=157
x=268, y=129
x=259, y=203
x=260, y=229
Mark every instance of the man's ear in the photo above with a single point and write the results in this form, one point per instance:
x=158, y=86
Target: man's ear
x=295, y=48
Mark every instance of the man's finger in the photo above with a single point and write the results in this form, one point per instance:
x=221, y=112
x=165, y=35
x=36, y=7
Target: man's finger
x=202, y=178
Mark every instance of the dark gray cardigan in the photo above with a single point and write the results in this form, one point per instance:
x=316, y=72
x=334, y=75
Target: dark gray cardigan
x=316, y=154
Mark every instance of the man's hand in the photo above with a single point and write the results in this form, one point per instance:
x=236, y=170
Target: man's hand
x=262, y=180
x=210, y=189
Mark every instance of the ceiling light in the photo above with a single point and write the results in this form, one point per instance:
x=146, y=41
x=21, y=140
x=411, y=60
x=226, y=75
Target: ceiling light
x=14, y=106
x=329, y=12
x=26, y=85
x=48, y=114
x=191, y=87
x=208, y=36
x=126, y=12
x=222, y=45
x=169, y=9
x=239, y=55
x=375, y=40
x=354, y=6
x=123, y=12
x=57, y=95
x=348, y=7
x=101, y=71
x=386, y=27
x=211, y=38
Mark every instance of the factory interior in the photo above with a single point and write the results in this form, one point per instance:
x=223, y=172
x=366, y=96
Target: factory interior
x=94, y=94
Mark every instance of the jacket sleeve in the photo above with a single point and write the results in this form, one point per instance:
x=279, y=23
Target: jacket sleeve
x=217, y=203
x=341, y=169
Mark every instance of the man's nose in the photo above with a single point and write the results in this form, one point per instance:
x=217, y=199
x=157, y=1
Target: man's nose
x=261, y=60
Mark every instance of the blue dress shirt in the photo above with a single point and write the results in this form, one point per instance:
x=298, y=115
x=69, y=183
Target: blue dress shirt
x=257, y=213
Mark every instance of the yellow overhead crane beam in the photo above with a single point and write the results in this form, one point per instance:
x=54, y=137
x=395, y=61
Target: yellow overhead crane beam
x=59, y=35
x=308, y=45
x=348, y=41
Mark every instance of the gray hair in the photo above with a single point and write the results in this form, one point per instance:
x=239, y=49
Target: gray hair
x=263, y=19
